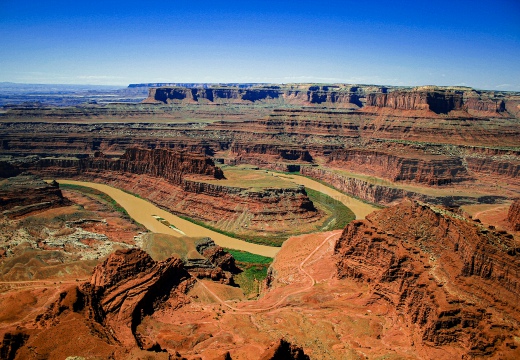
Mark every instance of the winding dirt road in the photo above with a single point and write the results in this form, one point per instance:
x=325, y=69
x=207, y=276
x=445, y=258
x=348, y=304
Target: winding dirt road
x=284, y=298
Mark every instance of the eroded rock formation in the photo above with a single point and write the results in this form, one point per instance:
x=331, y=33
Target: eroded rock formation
x=514, y=215
x=215, y=263
x=455, y=281
x=23, y=194
x=128, y=285
x=168, y=164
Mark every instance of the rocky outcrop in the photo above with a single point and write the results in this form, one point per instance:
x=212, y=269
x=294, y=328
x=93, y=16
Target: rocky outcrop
x=283, y=350
x=439, y=101
x=429, y=170
x=439, y=272
x=514, y=215
x=23, y=194
x=436, y=101
x=215, y=264
x=127, y=286
x=11, y=342
x=216, y=255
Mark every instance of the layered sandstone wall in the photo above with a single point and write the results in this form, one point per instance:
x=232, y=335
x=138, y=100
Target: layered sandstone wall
x=172, y=94
x=167, y=164
x=504, y=168
x=430, y=170
x=384, y=194
x=439, y=272
x=437, y=100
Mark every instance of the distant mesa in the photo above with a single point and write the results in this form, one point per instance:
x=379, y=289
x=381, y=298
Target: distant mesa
x=439, y=100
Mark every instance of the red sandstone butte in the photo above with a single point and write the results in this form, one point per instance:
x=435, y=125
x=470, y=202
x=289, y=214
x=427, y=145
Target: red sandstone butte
x=454, y=282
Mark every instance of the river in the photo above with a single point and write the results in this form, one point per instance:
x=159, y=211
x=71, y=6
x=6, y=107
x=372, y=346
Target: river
x=143, y=212
x=359, y=208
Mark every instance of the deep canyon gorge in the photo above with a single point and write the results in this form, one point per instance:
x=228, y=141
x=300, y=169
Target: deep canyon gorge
x=414, y=255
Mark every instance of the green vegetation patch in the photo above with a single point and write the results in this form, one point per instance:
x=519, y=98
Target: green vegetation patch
x=340, y=214
x=250, y=178
x=251, y=279
x=254, y=271
x=247, y=257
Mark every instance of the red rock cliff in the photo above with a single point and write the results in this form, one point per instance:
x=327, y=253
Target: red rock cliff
x=431, y=170
x=22, y=194
x=167, y=164
x=440, y=272
x=128, y=285
x=440, y=101
x=514, y=215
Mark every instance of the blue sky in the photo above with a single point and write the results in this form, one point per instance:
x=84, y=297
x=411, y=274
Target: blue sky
x=473, y=43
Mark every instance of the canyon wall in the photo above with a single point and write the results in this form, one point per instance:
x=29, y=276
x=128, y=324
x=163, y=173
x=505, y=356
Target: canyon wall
x=513, y=216
x=429, y=170
x=313, y=94
x=439, y=101
x=23, y=194
x=167, y=164
x=417, y=100
x=503, y=168
x=440, y=272
x=386, y=194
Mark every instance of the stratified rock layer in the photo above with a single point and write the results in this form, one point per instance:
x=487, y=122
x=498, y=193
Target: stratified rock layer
x=128, y=285
x=20, y=195
x=455, y=281
x=514, y=215
x=168, y=164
